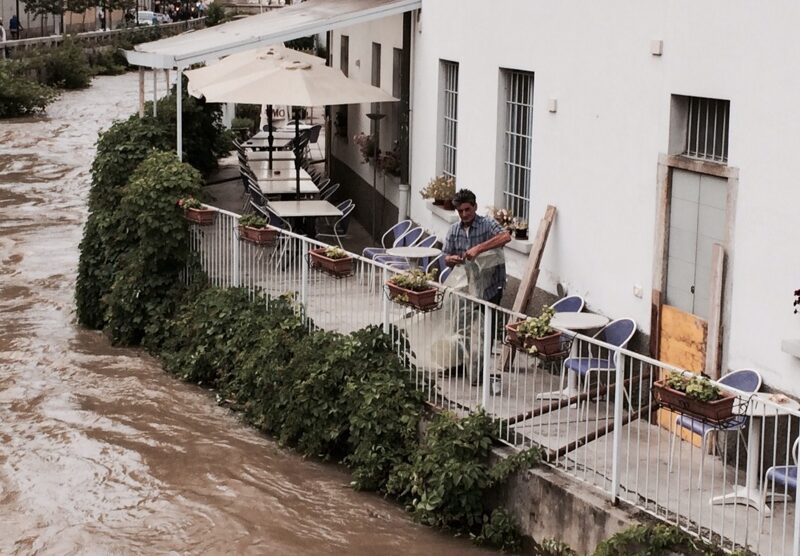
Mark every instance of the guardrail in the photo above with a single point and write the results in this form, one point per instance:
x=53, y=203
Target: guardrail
x=601, y=426
x=98, y=37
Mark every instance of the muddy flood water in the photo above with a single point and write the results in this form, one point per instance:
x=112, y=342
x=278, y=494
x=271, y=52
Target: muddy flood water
x=101, y=452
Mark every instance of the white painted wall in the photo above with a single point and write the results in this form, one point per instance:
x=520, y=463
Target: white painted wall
x=389, y=33
x=596, y=158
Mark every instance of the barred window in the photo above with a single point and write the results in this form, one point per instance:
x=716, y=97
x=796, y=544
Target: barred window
x=518, y=140
x=707, y=121
x=449, y=118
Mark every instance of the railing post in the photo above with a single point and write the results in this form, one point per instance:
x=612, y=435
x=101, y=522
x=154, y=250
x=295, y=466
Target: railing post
x=619, y=400
x=487, y=355
x=385, y=277
x=304, y=275
x=796, y=542
x=235, y=258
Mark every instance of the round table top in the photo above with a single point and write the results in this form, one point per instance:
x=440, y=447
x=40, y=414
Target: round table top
x=578, y=321
x=777, y=404
x=413, y=252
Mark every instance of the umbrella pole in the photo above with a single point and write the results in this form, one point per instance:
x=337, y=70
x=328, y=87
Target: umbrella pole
x=297, y=149
x=270, y=139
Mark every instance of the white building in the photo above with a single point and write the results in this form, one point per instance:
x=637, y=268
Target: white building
x=615, y=113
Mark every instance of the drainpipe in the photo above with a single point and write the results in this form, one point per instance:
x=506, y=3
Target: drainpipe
x=405, y=108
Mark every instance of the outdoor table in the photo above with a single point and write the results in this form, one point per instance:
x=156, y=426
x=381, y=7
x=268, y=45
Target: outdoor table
x=263, y=156
x=279, y=174
x=277, y=164
x=750, y=493
x=287, y=187
x=413, y=254
x=300, y=208
x=277, y=144
x=574, y=322
x=286, y=134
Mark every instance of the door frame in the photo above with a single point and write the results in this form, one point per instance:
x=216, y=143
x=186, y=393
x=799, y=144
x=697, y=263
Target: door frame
x=666, y=165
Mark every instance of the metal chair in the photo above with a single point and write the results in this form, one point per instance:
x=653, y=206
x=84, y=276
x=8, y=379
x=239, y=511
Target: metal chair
x=328, y=193
x=746, y=380
x=784, y=476
x=395, y=234
x=341, y=226
x=313, y=139
x=569, y=304
x=401, y=263
x=617, y=333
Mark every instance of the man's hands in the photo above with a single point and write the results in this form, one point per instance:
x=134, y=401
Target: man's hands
x=472, y=252
x=453, y=260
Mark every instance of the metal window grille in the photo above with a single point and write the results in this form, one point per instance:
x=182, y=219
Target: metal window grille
x=707, y=121
x=449, y=117
x=518, y=135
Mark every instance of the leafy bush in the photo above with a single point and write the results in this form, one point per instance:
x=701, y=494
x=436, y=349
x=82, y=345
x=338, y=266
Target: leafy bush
x=66, y=67
x=253, y=221
x=500, y=531
x=697, y=387
x=216, y=14
x=20, y=96
x=655, y=540
x=147, y=282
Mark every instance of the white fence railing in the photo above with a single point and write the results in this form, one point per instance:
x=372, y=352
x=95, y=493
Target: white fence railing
x=602, y=428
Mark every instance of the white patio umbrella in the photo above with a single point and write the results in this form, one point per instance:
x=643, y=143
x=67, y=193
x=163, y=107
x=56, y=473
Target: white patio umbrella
x=237, y=64
x=294, y=82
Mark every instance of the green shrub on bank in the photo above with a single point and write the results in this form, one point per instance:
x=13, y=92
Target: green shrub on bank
x=66, y=67
x=20, y=96
x=147, y=285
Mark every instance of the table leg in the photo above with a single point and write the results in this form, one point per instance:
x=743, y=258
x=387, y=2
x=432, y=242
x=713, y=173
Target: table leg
x=572, y=384
x=749, y=494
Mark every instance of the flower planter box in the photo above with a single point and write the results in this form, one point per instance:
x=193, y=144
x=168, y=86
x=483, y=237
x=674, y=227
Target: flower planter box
x=717, y=411
x=446, y=204
x=426, y=299
x=548, y=345
x=201, y=216
x=259, y=236
x=334, y=267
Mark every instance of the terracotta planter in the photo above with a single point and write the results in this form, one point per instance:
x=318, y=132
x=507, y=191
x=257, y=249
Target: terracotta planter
x=259, y=236
x=201, y=216
x=425, y=299
x=548, y=345
x=717, y=411
x=334, y=267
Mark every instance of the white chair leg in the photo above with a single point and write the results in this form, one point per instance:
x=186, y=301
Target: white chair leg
x=703, y=447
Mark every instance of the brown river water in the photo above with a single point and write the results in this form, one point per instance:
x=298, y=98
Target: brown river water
x=101, y=452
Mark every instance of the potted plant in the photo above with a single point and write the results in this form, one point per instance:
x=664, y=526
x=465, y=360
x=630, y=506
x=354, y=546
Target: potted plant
x=504, y=217
x=367, y=147
x=333, y=260
x=413, y=288
x=696, y=396
x=194, y=211
x=441, y=189
x=535, y=335
x=253, y=228
x=520, y=226
x=389, y=161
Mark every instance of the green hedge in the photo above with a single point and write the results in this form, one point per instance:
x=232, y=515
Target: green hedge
x=20, y=96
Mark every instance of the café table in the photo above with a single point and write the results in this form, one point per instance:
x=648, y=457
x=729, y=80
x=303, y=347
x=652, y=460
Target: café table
x=277, y=164
x=413, y=254
x=287, y=187
x=277, y=174
x=573, y=322
x=301, y=208
x=277, y=143
x=263, y=156
x=749, y=494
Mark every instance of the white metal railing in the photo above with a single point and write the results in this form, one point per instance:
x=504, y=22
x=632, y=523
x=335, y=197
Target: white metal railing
x=607, y=433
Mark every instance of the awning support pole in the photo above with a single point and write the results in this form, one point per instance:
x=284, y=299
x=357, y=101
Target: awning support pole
x=179, y=91
x=141, y=92
x=155, y=92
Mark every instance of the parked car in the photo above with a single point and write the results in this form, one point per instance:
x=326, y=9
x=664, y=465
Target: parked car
x=152, y=18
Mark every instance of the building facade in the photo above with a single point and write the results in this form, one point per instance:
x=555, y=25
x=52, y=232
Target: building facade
x=657, y=131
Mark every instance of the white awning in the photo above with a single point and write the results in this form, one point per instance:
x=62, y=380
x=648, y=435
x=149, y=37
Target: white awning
x=273, y=27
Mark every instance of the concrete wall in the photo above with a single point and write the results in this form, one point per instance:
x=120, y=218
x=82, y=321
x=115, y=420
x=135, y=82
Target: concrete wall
x=389, y=33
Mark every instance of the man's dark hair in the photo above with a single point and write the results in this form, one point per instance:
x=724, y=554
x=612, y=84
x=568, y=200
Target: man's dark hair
x=464, y=196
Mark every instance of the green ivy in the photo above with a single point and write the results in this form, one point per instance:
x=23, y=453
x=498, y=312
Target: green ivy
x=654, y=540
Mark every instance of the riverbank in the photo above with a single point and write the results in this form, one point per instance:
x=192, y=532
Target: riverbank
x=102, y=451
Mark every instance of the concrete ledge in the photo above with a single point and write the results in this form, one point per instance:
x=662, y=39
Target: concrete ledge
x=520, y=245
x=549, y=504
x=449, y=216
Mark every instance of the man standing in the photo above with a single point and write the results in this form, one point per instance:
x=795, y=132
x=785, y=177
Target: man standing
x=472, y=235
x=15, y=27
